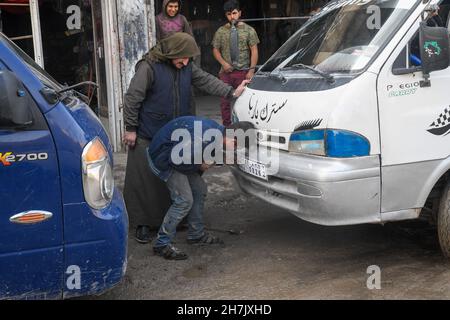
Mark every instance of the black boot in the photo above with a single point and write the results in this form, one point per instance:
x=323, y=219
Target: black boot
x=143, y=234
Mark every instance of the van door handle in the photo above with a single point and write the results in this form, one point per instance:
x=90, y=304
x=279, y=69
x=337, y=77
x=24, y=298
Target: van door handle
x=31, y=217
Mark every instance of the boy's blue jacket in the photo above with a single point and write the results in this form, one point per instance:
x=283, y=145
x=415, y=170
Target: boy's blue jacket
x=160, y=150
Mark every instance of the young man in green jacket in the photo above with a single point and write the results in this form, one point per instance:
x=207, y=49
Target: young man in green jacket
x=235, y=47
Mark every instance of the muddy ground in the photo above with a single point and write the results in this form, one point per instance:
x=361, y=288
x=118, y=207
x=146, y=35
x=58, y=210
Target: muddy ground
x=278, y=256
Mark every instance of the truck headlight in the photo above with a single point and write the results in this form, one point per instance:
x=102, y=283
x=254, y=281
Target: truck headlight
x=98, y=179
x=310, y=142
x=329, y=143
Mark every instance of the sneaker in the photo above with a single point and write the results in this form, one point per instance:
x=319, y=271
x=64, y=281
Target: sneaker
x=143, y=234
x=169, y=252
x=206, y=239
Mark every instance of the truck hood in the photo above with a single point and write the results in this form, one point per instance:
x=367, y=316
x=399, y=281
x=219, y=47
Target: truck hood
x=89, y=123
x=352, y=107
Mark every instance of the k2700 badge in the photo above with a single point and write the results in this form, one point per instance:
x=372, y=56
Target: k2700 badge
x=8, y=158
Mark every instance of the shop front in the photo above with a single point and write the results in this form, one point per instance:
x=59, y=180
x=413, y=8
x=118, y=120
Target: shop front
x=91, y=41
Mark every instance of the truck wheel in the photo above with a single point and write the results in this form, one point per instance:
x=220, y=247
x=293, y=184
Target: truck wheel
x=444, y=222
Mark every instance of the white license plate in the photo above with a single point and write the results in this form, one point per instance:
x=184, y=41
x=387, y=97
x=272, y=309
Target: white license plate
x=254, y=168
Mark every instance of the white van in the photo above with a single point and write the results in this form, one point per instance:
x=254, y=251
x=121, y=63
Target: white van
x=358, y=104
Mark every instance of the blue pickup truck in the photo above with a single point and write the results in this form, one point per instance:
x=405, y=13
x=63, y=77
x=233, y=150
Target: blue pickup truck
x=63, y=224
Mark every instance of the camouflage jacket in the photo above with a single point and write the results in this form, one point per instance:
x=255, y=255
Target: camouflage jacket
x=247, y=38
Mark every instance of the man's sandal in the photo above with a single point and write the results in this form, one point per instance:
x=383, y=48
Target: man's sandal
x=169, y=252
x=206, y=239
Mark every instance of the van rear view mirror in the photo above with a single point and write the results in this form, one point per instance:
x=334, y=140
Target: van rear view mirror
x=434, y=49
x=14, y=102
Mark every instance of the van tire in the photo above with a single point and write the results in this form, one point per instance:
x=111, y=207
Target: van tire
x=444, y=222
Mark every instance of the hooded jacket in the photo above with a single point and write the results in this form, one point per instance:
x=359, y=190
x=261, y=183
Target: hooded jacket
x=160, y=150
x=166, y=25
x=159, y=92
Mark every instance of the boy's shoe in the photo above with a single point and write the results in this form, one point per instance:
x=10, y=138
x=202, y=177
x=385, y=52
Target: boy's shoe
x=143, y=234
x=169, y=252
x=206, y=239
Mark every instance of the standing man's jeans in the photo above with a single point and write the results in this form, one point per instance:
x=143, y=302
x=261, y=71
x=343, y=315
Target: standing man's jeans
x=188, y=192
x=234, y=79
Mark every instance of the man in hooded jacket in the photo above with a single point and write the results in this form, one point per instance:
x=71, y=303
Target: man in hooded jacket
x=159, y=92
x=170, y=20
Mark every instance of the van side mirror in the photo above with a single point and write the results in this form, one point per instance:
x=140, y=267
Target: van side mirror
x=14, y=102
x=434, y=50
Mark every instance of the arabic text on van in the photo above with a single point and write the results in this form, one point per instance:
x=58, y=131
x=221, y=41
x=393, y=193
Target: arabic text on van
x=264, y=112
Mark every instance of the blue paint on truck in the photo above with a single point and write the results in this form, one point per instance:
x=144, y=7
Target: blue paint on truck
x=63, y=224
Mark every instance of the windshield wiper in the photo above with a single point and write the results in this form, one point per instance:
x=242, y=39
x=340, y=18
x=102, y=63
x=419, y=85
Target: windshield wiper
x=324, y=75
x=278, y=76
x=85, y=83
x=83, y=97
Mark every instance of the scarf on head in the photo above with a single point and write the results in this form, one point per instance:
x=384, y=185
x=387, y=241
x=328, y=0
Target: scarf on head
x=177, y=46
x=164, y=8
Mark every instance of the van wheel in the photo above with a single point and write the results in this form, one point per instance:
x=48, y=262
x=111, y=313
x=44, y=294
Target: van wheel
x=444, y=222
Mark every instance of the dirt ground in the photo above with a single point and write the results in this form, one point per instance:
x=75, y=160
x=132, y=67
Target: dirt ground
x=278, y=256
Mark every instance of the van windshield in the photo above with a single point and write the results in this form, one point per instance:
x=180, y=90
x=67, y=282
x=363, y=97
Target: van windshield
x=35, y=68
x=343, y=37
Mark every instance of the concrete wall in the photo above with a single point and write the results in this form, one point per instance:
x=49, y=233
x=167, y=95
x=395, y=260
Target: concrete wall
x=134, y=34
x=129, y=26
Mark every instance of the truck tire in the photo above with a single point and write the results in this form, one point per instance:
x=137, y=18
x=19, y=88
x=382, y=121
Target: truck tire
x=444, y=222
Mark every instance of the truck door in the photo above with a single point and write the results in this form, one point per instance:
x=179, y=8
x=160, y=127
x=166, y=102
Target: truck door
x=414, y=124
x=31, y=233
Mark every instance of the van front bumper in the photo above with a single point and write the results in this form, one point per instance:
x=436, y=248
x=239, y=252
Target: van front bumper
x=326, y=191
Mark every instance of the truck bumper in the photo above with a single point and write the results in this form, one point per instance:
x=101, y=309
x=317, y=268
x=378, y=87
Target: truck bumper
x=96, y=245
x=325, y=191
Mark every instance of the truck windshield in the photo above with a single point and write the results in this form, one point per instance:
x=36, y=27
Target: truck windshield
x=35, y=68
x=344, y=37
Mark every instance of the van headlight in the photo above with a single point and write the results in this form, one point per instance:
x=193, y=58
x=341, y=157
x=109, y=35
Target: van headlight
x=98, y=179
x=329, y=143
